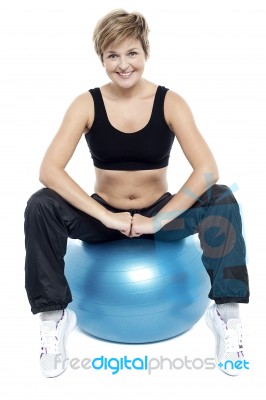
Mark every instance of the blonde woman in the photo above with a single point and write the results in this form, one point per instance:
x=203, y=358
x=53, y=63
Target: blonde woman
x=130, y=125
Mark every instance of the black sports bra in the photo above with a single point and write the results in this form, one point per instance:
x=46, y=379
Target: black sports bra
x=148, y=148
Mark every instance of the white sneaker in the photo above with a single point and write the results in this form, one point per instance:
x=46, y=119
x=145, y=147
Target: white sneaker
x=54, y=334
x=229, y=343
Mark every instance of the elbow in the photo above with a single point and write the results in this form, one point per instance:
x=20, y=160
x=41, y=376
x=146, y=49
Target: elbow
x=217, y=177
x=43, y=178
x=50, y=175
x=46, y=176
x=210, y=174
x=213, y=174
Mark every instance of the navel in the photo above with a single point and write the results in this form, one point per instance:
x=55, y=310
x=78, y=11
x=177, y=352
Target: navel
x=132, y=197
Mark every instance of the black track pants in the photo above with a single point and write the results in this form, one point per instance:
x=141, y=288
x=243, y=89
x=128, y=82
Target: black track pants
x=50, y=220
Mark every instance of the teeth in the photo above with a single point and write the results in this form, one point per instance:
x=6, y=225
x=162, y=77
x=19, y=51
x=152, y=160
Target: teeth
x=125, y=74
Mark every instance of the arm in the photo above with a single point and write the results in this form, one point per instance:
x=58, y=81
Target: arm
x=57, y=156
x=205, y=172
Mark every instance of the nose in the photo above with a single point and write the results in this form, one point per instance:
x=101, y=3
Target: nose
x=123, y=63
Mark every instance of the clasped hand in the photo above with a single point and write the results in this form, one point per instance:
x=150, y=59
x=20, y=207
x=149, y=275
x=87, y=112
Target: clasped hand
x=131, y=226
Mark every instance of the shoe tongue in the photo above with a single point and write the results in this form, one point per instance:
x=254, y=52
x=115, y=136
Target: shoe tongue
x=49, y=325
x=233, y=323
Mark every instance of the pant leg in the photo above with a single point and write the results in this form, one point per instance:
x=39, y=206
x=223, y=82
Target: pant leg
x=49, y=221
x=216, y=218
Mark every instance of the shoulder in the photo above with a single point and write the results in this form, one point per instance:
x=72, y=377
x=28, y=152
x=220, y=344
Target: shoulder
x=83, y=100
x=82, y=107
x=174, y=99
x=175, y=107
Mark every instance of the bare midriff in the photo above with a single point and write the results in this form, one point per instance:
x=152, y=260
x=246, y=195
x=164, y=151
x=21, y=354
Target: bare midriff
x=131, y=189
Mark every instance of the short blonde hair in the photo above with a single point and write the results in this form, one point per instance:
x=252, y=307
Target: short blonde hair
x=117, y=26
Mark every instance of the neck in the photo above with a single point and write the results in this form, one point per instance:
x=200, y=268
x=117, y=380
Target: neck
x=128, y=93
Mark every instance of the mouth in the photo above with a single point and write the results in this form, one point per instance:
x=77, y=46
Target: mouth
x=125, y=75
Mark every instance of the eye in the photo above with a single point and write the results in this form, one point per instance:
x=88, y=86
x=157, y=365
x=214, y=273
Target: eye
x=112, y=56
x=133, y=53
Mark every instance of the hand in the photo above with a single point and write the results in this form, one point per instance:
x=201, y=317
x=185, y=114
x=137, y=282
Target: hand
x=142, y=225
x=120, y=221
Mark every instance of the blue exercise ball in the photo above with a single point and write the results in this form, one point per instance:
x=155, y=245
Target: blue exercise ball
x=136, y=290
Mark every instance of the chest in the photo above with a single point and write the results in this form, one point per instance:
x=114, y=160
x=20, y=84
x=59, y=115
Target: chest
x=129, y=116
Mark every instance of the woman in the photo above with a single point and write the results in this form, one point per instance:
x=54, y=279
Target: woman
x=130, y=125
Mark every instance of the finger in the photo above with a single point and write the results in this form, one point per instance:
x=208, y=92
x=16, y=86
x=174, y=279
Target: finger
x=135, y=234
x=126, y=233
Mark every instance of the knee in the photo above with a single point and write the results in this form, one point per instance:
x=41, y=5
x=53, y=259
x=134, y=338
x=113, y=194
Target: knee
x=41, y=198
x=222, y=194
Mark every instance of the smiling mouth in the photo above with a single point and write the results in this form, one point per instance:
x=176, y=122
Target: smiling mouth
x=125, y=74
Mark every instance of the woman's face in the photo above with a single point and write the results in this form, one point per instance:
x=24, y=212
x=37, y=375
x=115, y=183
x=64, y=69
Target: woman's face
x=124, y=62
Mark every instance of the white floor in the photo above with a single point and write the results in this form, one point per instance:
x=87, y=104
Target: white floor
x=220, y=69
x=20, y=347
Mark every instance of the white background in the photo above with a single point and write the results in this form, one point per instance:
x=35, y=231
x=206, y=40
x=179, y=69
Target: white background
x=212, y=52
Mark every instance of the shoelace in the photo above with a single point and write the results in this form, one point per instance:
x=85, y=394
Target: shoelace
x=232, y=341
x=49, y=341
